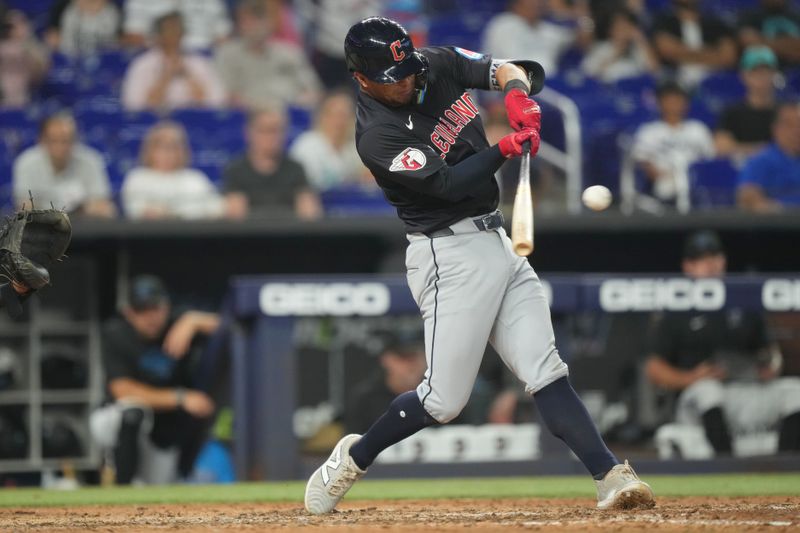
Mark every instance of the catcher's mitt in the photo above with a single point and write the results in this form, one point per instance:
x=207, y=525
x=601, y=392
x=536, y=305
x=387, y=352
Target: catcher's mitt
x=30, y=242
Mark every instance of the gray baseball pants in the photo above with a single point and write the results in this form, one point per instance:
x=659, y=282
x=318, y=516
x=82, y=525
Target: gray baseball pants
x=472, y=288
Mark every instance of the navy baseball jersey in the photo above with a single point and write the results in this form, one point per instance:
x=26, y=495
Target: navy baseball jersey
x=405, y=147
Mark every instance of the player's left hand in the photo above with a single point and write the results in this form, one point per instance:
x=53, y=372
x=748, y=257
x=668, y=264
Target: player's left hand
x=523, y=112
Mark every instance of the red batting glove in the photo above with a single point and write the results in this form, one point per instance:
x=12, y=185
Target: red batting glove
x=511, y=144
x=523, y=112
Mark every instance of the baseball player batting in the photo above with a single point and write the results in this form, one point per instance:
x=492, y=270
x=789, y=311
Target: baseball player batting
x=420, y=134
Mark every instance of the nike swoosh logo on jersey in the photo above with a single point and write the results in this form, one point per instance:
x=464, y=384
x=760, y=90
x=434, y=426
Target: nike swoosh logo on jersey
x=410, y=124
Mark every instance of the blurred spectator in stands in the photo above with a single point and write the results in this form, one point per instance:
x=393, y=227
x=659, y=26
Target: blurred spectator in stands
x=207, y=21
x=258, y=71
x=326, y=23
x=52, y=30
x=263, y=181
x=63, y=171
x=692, y=43
x=164, y=186
x=602, y=11
x=328, y=151
x=521, y=32
x=23, y=60
x=721, y=363
x=665, y=148
x=166, y=78
x=86, y=27
x=402, y=367
x=285, y=30
x=155, y=421
x=774, y=24
x=770, y=180
x=745, y=127
x=625, y=54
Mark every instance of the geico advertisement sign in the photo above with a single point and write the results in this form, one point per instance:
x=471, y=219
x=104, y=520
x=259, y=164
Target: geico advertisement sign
x=317, y=299
x=675, y=294
x=781, y=295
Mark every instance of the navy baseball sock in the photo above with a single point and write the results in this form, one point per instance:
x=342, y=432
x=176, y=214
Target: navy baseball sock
x=404, y=417
x=566, y=417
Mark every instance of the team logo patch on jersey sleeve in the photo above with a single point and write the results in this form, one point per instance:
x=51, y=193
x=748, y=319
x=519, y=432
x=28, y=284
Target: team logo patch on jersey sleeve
x=408, y=159
x=469, y=54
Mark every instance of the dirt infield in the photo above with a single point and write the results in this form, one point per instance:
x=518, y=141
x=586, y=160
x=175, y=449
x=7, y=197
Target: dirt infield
x=776, y=514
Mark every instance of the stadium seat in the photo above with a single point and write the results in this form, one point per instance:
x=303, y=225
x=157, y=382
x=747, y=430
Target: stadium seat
x=355, y=200
x=637, y=86
x=721, y=89
x=713, y=183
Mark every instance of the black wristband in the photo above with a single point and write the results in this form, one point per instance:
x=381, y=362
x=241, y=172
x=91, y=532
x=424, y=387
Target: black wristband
x=516, y=84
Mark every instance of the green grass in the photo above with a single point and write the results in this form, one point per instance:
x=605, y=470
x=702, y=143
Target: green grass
x=539, y=487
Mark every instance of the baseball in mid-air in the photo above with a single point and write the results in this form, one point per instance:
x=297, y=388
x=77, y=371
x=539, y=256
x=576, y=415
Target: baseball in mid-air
x=596, y=197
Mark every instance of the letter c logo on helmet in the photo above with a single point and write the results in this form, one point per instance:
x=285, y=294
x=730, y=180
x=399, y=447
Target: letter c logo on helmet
x=397, y=53
x=382, y=51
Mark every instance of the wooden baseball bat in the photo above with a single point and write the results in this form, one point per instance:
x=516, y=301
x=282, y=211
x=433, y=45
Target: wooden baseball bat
x=522, y=218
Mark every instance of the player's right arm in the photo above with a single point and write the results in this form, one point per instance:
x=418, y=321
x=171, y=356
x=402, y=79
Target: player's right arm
x=393, y=155
x=516, y=78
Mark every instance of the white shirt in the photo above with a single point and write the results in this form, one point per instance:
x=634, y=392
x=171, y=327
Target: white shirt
x=145, y=71
x=83, y=179
x=325, y=166
x=185, y=193
x=332, y=19
x=204, y=21
x=690, y=74
x=627, y=66
x=86, y=33
x=509, y=36
x=280, y=72
x=672, y=150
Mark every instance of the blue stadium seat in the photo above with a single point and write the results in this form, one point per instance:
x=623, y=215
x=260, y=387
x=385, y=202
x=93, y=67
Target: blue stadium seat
x=211, y=162
x=721, y=89
x=355, y=200
x=637, y=86
x=18, y=130
x=713, y=183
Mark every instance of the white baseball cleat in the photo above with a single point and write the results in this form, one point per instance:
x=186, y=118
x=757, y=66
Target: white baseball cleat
x=621, y=488
x=331, y=481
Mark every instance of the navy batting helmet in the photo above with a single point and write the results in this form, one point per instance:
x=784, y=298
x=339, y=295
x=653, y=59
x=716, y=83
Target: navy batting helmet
x=381, y=50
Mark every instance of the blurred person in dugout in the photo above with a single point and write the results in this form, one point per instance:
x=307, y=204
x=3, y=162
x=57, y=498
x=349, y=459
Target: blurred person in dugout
x=62, y=171
x=263, y=181
x=402, y=366
x=165, y=77
x=724, y=370
x=164, y=186
x=327, y=152
x=745, y=127
x=770, y=180
x=664, y=149
x=23, y=59
x=154, y=423
x=258, y=69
